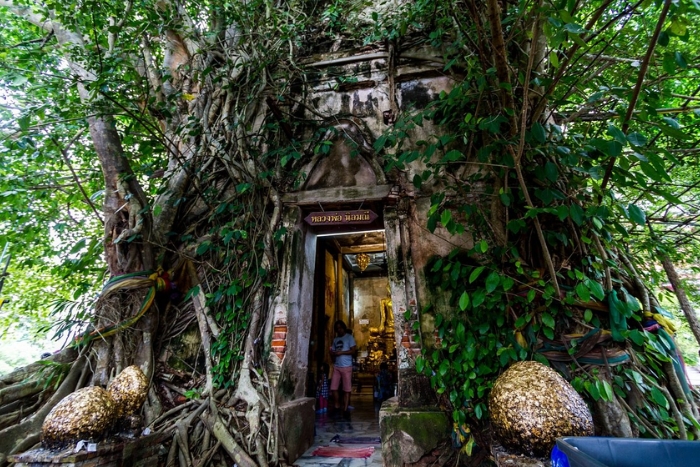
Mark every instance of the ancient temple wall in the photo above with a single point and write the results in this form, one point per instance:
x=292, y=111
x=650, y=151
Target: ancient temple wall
x=351, y=89
x=357, y=86
x=289, y=330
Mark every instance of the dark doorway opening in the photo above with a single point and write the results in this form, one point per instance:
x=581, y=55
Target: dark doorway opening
x=351, y=284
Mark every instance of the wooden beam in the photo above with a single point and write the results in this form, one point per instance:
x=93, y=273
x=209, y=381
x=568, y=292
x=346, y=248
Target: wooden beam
x=348, y=250
x=338, y=195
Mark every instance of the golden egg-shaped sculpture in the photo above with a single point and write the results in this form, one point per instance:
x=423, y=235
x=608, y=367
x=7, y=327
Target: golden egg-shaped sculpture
x=129, y=390
x=84, y=414
x=531, y=406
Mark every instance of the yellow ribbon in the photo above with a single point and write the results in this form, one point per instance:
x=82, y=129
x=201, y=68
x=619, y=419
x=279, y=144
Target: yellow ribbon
x=664, y=322
x=155, y=283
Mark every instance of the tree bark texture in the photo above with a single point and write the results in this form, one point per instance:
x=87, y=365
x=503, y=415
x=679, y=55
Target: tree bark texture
x=679, y=290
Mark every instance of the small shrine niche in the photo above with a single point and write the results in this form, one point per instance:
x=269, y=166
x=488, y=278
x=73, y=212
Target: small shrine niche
x=343, y=160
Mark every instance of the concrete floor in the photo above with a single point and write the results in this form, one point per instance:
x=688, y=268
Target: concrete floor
x=363, y=423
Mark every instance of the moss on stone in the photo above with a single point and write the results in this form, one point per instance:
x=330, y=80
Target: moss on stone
x=286, y=384
x=407, y=435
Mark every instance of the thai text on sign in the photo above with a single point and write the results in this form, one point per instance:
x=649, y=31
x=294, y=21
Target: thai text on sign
x=364, y=216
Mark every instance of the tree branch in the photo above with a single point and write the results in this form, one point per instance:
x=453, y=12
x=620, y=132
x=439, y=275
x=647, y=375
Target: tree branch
x=542, y=104
x=115, y=26
x=638, y=86
x=501, y=61
x=66, y=159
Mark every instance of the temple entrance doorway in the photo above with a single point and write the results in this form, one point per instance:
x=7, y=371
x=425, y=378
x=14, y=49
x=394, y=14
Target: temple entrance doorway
x=351, y=284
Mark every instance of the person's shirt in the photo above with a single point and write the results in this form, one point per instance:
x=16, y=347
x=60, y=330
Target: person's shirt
x=341, y=344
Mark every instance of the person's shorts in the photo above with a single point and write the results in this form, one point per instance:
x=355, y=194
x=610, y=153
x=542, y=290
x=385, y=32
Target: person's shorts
x=344, y=373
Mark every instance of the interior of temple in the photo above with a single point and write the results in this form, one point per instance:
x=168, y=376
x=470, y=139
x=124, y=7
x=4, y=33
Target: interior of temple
x=352, y=285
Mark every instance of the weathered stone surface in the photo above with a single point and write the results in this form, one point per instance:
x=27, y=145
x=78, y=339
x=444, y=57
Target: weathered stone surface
x=297, y=420
x=85, y=414
x=409, y=434
x=531, y=405
x=414, y=389
x=503, y=458
x=142, y=452
x=129, y=390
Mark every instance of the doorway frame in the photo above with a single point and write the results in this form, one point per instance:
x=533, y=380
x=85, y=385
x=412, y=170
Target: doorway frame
x=294, y=302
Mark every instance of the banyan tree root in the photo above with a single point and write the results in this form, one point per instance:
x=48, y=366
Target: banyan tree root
x=218, y=429
x=202, y=431
x=684, y=400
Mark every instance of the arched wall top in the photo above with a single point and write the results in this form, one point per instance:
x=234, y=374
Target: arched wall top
x=349, y=160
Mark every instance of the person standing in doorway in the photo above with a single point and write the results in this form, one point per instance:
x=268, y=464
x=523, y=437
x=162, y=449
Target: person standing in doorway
x=342, y=350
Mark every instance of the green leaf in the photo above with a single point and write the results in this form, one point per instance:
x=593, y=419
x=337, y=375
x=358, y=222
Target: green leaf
x=673, y=132
x=508, y=283
x=538, y=132
x=453, y=156
x=592, y=390
x=583, y=293
x=444, y=367
x=23, y=122
x=432, y=222
x=636, y=336
x=469, y=447
x=483, y=246
x=680, y=61
x=548, y=320
x=562, y=212
x=192, y=292
x=588, y=315
x=478, y=297
x=554, y=59
x=548, y=332
x=617, y=134
x=417, y=181
x=637, y=139
x=659, y=398
x=669, y=63
x=595, y=288
x=78, y=246
x=636, y=214
x=420, y=364
x=651, y=172
x=576, y=213
x=475, y=274
x=607, y=392
x=464, y=301
x=678, y=28
x=574, y=28
x=505, y=199
x=446, y=217
x=203, y=247
x=531, y=295
x=492, y=281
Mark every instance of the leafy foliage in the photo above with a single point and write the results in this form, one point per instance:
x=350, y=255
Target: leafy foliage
x=544, y=165
x=565, y=157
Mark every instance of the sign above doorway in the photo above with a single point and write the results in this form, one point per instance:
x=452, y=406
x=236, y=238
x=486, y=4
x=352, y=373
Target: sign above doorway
x=359, y=217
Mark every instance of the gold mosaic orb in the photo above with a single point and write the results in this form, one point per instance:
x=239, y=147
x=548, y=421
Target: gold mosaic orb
x=129, y=390
x=531, y=406
x=85, y=414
